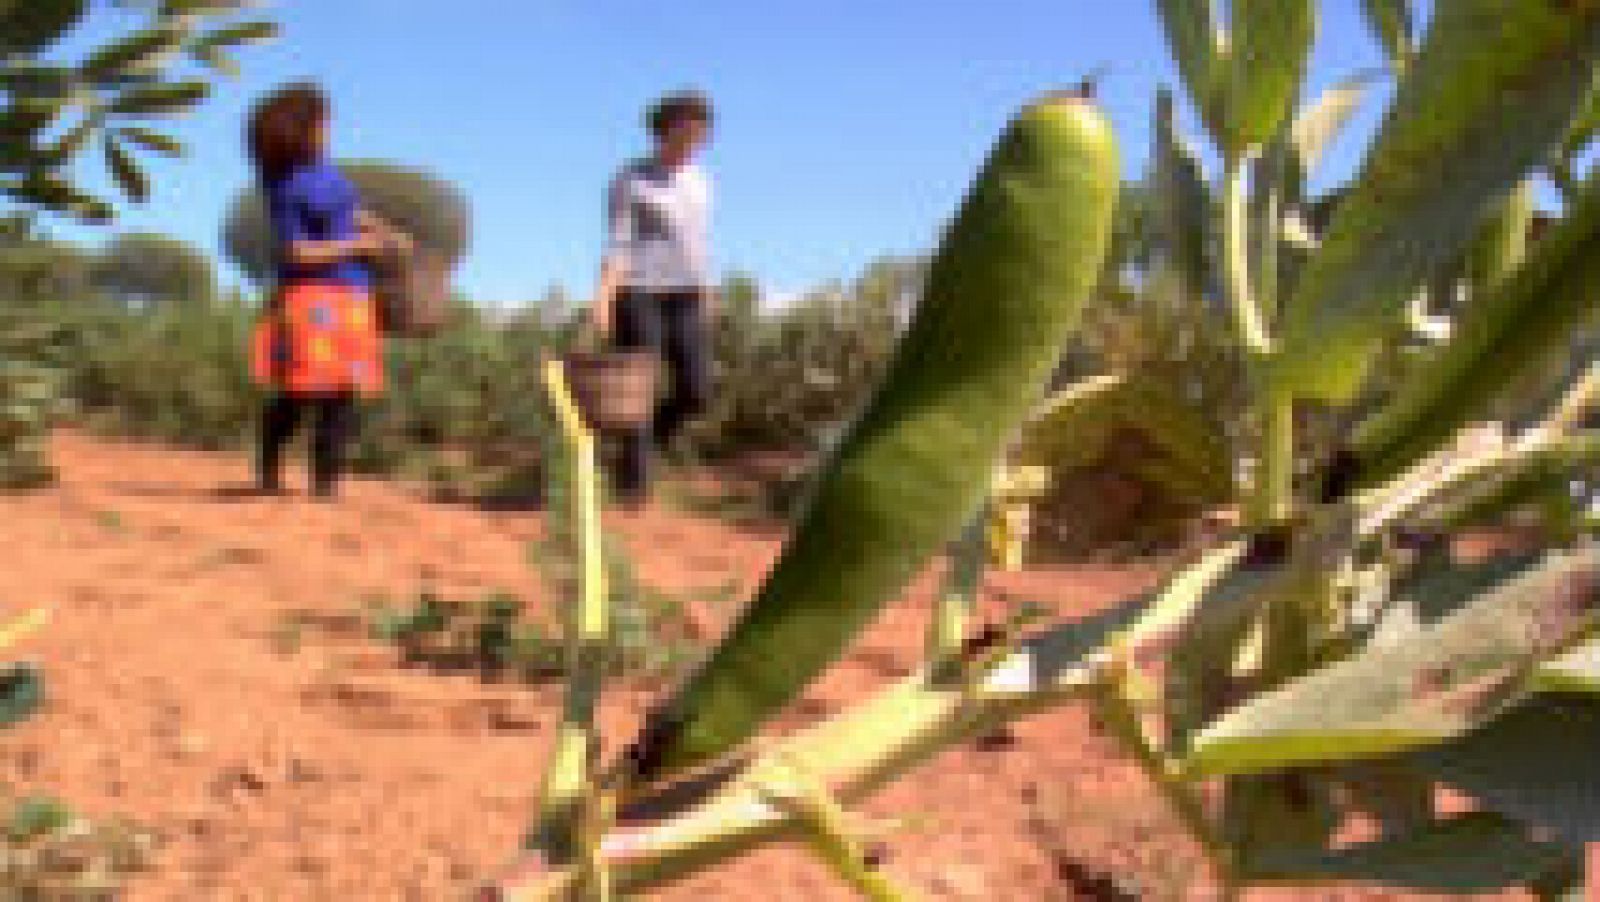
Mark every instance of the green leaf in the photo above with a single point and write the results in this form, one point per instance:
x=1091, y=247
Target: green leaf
x=27, y=26
x=24, y=120
x=1197, y=46
x=1502, y=245
x=1391, y=23
x=160, y=99
x=1397, y=798
x=1200, y=678
x=1480, y=852
x=1494, y=88
x=1451, y=677
x=72, y=143
x=1269, y=47
x=37, y=817
x=240, y=34
x=34, y=79
x=201, y=7
x=1183, y=203
x=21, y=691
x=1584, y=127
x=1535, y=763
x=130, y=178
x=52, y=192
x=1262, y=813
x=216, y=60
x=1510, y=331
x=151, y=141
x=1321, y=121
x=138, y=52
x=1575, y=671
x=1528, y=478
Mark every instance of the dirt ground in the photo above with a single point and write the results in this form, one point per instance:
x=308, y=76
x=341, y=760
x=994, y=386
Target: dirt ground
x=209, y=675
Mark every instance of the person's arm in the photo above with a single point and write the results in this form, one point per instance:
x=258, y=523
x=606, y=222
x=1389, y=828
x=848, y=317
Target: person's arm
x=391, y=236
x=311, y=254
x=294, y=211
x=711, y=295
x=605, y=294
x=619, y=240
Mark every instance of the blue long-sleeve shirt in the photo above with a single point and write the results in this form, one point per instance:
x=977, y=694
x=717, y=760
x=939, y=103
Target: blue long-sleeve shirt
x=316, y=202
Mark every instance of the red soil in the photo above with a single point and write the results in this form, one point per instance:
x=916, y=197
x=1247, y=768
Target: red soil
x=285, y=764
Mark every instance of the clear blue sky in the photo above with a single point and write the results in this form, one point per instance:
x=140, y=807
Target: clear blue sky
x=848, y=129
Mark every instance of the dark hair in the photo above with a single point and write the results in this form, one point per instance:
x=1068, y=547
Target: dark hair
x=282, y=127
x=675, y=108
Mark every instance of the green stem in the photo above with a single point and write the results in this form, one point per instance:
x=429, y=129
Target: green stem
x=1274, y=490
x=957, y=598
x=1236, y=258
x=1122, y=721
x=827, y=829
x=1273, y=493
x=571, y=821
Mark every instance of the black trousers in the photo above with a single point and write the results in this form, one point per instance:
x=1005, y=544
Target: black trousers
x=671, y=324
x=333, y=426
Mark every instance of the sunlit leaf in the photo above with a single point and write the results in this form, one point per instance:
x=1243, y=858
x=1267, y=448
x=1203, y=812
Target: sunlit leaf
x=1182, y=202
x=160, y=99
x=152, y=141
x=1493, y=89
x=1511, y=329
x=239, y=34
x=1269, y=46
x=1455, y=675
x=1391, y=22
x=1321, y=122
x=136, y=52
x=1197, y=45
x=30, y=25
x=130, y=178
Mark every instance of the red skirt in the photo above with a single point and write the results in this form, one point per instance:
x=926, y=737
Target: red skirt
x=319, y=338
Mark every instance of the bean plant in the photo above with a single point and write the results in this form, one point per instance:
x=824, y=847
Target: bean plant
x=1337, y=656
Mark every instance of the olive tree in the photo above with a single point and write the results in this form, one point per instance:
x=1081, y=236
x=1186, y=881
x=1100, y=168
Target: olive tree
x=423, y=205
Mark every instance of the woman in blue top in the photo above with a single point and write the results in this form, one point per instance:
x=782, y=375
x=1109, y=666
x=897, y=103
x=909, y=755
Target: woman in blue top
x=318, y=347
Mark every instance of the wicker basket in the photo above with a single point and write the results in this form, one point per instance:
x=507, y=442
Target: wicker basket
x=413, y=293
x=615, y=390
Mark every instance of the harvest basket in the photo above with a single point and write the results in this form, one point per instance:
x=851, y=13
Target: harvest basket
x=615, y=390
x=413, y=291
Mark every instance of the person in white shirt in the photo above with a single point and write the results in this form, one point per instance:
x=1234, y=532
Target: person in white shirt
x=655, y=288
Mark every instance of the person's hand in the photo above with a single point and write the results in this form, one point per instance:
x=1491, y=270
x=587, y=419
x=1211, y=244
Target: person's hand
x=600, y=320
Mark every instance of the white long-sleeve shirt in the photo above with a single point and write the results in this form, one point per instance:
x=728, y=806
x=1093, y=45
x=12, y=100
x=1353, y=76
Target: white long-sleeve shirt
x=659, y=226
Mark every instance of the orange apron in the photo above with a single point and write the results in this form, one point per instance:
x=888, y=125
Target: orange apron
x=319, y=338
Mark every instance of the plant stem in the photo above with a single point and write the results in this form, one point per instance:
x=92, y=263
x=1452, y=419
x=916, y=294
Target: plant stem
x=874, y=742
x=1273, y=496
x=957, y=597
x=572, y=820
x=1122, y=721
x=1236, y=257
x=827, y=829
x=1273, y=492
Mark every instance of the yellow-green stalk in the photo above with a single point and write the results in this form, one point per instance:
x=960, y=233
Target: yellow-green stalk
x=572, y=807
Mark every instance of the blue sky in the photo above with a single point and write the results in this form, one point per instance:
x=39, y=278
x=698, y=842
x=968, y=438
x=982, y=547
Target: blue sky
x=848, y=128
